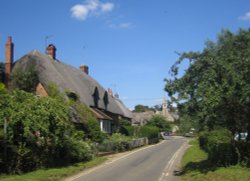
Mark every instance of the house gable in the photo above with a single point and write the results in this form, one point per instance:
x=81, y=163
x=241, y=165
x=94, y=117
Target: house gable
x=40, y=90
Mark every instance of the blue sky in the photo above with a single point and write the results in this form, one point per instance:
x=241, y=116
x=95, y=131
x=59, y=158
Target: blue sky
x=129, y=45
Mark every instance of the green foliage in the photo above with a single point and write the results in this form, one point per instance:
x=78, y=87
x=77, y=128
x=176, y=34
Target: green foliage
x=54, y=91
x=150, y=132
x=160, y=122
x=2, y=88
x=39, y=133
x=203, y=139
x=93, y=131
x=218, y=145
x=196, y=167
x=90, y=124
x=129, y=130
x=185, y=124
x=214, y=90
x=117, y=143
x=26, y=80
x=141, y=108
x=126, y=128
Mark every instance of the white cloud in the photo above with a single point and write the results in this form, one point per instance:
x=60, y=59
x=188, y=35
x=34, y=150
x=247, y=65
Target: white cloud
x=90, y=7
x=125, y=25
x=246, y=17
x=106, y=7
x=121, y=25
x=80, y=12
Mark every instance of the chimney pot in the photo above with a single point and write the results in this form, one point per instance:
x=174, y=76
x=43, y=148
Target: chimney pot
x=84, y=68
x=51, y=51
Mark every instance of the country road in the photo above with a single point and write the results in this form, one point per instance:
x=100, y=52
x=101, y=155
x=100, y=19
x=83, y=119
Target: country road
x=153, y=163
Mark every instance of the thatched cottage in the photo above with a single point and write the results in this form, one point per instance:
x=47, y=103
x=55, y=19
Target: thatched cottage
x=107, y=108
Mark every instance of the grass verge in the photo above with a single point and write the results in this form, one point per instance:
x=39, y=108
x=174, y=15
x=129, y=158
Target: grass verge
x=196, y=167
x=53, y=174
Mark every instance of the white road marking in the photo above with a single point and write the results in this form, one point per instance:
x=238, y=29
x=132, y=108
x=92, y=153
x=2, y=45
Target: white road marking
x=169, y=165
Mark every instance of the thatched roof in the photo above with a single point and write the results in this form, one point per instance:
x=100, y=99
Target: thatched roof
x=68, y=78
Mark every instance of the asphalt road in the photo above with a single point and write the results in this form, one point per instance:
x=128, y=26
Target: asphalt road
x=153, y=163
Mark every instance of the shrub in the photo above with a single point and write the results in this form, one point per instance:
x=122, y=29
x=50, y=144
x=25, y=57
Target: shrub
x=148, y=131
x=117, y=142
x=203, y=138
x=93, y=132
x=131, y=131
x=160, y=122
x=39, y=134
x=26, y=80
x=217, y=144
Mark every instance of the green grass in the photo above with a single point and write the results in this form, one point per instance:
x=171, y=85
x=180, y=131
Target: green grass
x=53, y=174
x=196, y=167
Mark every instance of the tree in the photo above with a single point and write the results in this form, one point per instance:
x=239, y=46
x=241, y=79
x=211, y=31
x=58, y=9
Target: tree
x=142, y=108
x=24, y=80
x=215, y=89
x=39, y=133
x=160, y=122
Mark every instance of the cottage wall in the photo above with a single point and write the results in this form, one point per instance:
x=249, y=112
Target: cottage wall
x=40, y=90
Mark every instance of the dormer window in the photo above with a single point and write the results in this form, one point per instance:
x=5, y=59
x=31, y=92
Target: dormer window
x=106, y=99
x=96, y=96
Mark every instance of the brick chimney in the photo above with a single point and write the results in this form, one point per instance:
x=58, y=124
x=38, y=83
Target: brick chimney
x=51, y=51
x=84, y=68
x=9, y=56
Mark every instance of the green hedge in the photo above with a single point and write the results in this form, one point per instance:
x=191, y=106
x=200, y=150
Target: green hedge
x=115, y=143
x=141, y=131
x=148, y=131
x=218, y=145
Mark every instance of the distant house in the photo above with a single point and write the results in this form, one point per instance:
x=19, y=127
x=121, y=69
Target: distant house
x=142, y=118
x=107, y=108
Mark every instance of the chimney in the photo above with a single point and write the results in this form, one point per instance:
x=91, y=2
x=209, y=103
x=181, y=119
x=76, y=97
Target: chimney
x=84, y=68
x=9, y=54
x=51, y=51
x=110, y=92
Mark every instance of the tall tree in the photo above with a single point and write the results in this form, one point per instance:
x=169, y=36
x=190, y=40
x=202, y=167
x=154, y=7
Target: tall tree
x=215, y=89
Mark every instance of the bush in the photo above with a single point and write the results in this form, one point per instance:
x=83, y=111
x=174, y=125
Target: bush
x=39, y=134
x=76, y=151
x=160, y=122
x=148, y=131
x=203, y=139
x=26, y=80
x=117, y=142
x=131, y=131
x=218, y=145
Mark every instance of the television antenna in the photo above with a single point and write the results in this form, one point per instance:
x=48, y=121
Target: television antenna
x=46, y=40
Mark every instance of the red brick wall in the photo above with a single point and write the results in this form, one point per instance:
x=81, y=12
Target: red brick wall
x=41, y=91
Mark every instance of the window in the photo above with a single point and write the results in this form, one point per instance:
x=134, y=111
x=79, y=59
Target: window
x=105, y=126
